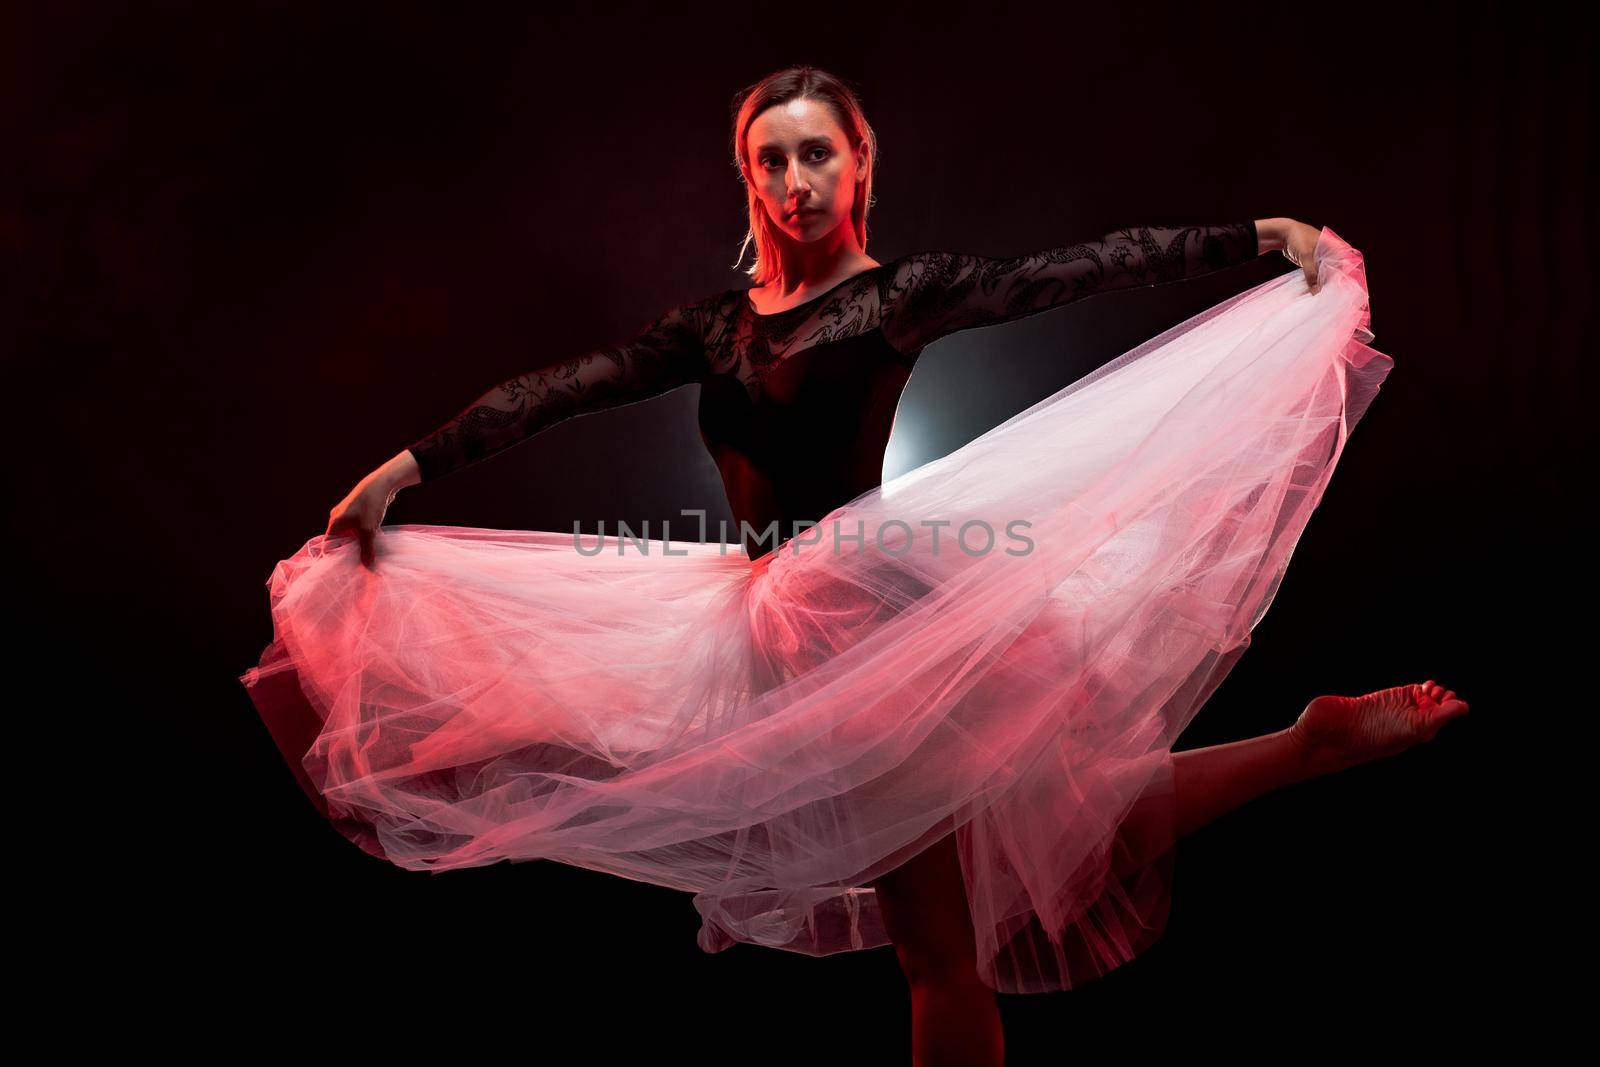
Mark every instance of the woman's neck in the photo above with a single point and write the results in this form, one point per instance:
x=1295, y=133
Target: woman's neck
x=812, y=267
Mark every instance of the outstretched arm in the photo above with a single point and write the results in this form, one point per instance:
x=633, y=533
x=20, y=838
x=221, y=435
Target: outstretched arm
x=938, y=293
x=667, y=353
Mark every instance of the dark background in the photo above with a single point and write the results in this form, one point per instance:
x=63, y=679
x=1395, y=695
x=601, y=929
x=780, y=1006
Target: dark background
x=266, y=245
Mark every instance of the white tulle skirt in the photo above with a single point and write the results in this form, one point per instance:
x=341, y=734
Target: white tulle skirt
x=771, y=735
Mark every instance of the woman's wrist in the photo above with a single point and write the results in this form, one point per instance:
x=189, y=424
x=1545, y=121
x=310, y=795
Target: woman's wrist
x=401, y=471
x=1271, y=234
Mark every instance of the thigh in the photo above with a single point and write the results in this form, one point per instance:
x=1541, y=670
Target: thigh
x=924, y=905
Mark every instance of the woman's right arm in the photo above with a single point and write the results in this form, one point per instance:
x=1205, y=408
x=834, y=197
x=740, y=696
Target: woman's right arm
x=667, y=353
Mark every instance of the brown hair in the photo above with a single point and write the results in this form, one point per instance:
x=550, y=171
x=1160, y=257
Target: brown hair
x=797, y=83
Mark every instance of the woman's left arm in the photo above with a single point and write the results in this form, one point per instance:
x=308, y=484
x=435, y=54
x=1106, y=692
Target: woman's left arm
x=934, y=294
x=1296, y=240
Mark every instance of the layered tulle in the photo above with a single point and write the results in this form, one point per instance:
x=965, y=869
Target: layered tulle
x=771, y=735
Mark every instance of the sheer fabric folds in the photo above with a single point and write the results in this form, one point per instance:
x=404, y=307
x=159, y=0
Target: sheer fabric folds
x=770, y=734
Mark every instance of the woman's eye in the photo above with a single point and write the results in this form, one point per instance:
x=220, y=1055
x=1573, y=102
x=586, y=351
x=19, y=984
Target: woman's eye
x=772, y=161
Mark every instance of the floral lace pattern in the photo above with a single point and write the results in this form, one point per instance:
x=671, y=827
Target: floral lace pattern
x=911, y=301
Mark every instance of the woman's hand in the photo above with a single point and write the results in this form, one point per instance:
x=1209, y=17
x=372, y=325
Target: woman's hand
x=361, y=512
x=1296, y=240
x=1338, y=732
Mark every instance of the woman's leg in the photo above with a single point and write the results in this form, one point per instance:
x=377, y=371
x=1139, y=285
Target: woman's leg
x=1332, y=734
x=955, y=1018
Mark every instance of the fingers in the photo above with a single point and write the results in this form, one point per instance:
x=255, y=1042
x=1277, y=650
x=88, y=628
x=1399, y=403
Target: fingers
x=1307, y=262
x=350, y=526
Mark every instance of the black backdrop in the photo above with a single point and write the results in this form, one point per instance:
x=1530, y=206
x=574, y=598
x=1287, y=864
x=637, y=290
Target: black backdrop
x=266, y=245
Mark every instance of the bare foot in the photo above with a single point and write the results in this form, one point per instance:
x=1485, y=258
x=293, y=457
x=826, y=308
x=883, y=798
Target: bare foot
x=1345, y=731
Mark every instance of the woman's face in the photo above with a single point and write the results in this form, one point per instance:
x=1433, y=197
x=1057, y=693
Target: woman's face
x=802, y=168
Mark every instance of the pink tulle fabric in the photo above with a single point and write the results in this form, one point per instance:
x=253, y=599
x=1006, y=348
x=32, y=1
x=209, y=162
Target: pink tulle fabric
x=771, y=735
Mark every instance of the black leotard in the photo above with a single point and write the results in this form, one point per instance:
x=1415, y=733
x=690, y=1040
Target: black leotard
x=796, y=406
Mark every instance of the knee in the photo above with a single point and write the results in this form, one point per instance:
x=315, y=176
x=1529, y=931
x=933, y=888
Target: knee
x=941, y=967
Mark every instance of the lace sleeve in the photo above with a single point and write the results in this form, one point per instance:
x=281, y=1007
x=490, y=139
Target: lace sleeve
x=933, y=294
x=667, y=353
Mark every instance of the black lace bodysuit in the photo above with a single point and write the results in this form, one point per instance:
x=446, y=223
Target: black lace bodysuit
x=796, y=407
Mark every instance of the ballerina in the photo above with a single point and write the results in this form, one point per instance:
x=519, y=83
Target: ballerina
x=963, y=755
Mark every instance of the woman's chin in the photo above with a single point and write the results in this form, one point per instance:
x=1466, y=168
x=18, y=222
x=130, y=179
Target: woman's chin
x=808, y=228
